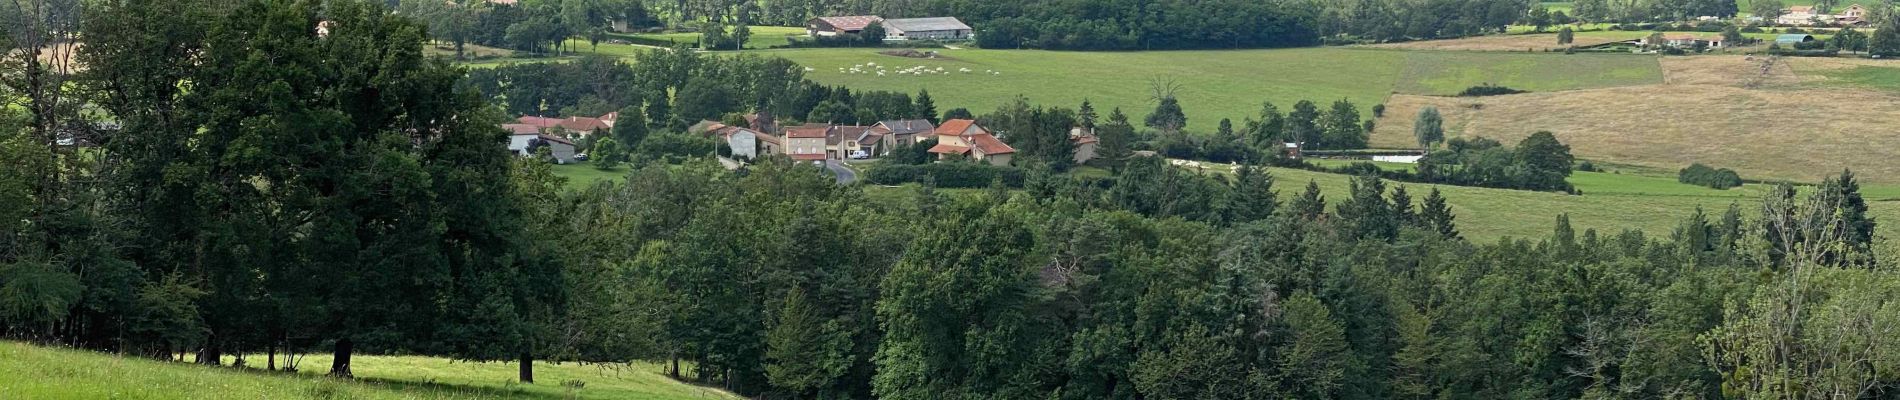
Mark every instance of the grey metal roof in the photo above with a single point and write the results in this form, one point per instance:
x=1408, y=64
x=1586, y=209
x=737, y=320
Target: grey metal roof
x=909, y=126
x=925, y=24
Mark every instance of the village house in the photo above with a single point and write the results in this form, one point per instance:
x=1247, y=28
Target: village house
x=962, y=137
x=807, y=142
x=902, y=133
x=581, y=126
x=523, y=139
x=1085, y=142
x=744, y=143
x=843, y=141
x=834, y=26
x=939, y=28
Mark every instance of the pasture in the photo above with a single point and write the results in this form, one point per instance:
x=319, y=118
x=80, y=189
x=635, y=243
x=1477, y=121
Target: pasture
x=1215, y=83
x=1803, y=120
x=31, y=372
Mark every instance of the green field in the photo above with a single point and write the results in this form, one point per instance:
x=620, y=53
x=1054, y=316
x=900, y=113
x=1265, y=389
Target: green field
x=1447, y=72
x=580, y=175
x=1883, y=78
x=1216, y=84
x=763, y=37
x=30, y=372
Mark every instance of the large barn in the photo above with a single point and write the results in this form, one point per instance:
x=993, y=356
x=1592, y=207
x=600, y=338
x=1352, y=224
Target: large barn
x=834, y=26
x=941, y=28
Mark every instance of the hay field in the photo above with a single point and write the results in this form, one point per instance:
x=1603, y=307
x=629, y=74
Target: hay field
x=1793, y=122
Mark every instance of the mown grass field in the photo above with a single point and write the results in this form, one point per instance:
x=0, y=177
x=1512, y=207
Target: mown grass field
x=1447, y=73
x=1217, y=83
x=763, y=37
x=30, y=372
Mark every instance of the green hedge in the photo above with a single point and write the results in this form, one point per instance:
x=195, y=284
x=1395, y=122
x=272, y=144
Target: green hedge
x=1703, y=175
x=947, y=174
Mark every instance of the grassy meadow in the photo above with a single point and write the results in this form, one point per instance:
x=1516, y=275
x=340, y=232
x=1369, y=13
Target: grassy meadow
x=1217, y=83
x=31, y=372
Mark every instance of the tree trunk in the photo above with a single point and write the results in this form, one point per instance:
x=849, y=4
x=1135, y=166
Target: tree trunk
x=211, y=355
x=340, y=364
x=527, y=366
x=270, y=364
x=675, y=372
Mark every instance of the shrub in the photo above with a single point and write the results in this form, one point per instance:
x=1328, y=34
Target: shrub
x=947, y=174
x=1703, y=175
x=1488, y=90
x=1587, y=166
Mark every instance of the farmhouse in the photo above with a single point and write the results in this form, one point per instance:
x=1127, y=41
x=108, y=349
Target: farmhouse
x=1687, y=41
x=901, y=132
x=962, y=137
x=1853, y=15
x=834, y=26
x=941, y=28
x=524, y=140
x=1797, y=15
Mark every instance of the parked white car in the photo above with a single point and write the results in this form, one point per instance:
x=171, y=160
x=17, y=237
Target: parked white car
x=860, y=155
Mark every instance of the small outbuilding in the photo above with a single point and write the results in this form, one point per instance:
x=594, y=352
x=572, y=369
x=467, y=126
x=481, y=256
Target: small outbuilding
x=1793, y=38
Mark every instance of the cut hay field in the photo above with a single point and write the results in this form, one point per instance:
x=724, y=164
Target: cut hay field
x=31, y=372
x=1803, y=120
x=1218, y=83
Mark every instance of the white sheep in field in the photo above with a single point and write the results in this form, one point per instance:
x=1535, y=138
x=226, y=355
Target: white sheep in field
x=810, y=69
x=880, y=73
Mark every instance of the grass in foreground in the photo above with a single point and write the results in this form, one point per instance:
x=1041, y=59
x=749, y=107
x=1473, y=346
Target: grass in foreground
x=31, y=372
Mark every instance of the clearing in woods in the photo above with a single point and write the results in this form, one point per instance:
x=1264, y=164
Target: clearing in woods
x=32, y=372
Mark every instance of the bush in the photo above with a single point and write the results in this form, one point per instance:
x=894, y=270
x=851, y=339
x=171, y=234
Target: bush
x=947, y=174
x=1703, y=175
x=1488, y=90
x=1587, y=166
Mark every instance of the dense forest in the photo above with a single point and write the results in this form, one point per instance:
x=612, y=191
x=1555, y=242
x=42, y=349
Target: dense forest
x=249, y=187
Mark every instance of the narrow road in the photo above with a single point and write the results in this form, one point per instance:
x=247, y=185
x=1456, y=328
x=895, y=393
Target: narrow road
x=844, y=173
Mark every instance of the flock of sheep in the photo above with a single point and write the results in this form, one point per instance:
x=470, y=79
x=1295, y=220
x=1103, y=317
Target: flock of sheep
x=871, y=68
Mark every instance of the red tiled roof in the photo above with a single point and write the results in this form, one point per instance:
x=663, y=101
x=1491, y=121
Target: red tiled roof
x=766, y=137
x=1084, y=139
x=948, y=149
x=988, y=144
x=577, y=124
x=809, y=131
x=808, y=157
x=851, y=22
x=521, y=129
x=557, y=139
x=955, y=127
